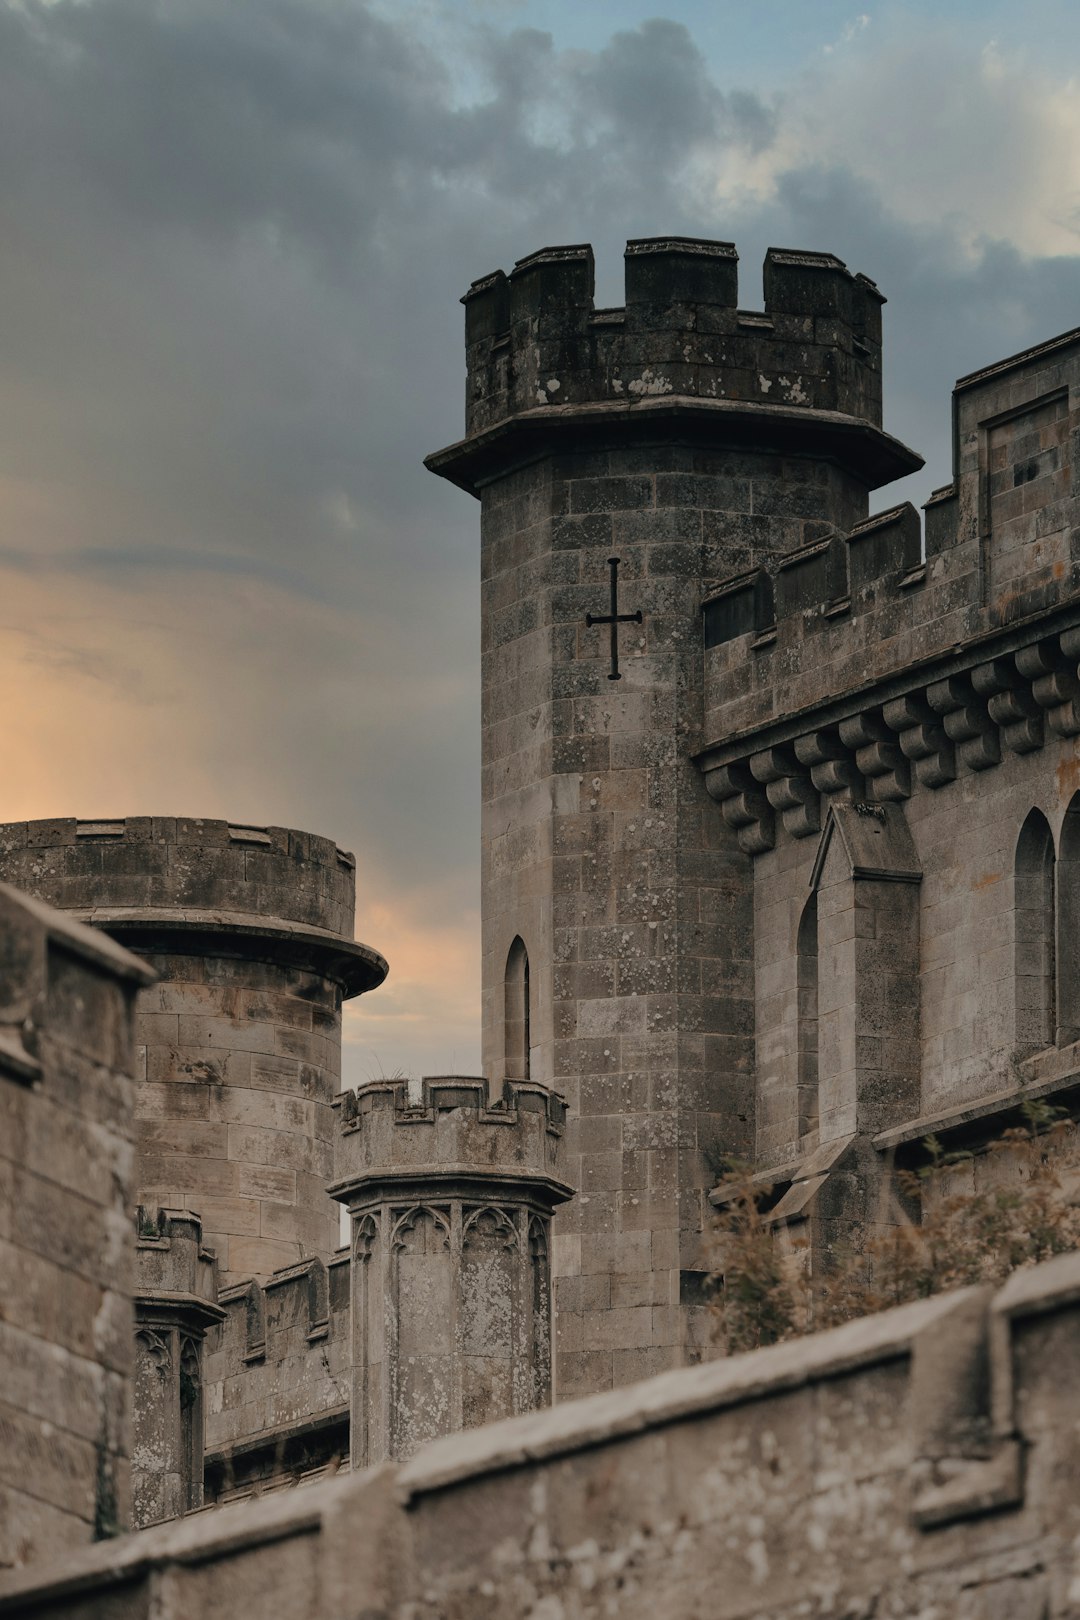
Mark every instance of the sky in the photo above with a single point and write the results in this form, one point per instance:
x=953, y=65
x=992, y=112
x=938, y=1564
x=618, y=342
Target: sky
x=232, y=242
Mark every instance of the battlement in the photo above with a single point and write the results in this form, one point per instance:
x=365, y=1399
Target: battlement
x=446, y=1126
x=162, y=873
x=881, y=659
x=171, y=1262
x=296, y=1297
x=277, y=1377
x=535, y=340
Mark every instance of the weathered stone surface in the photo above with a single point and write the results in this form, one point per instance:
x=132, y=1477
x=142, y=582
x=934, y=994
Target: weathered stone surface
x=450, y=1196
x=250, y=931
x=871, y=1471
x=749, y=444
x=67, y=1007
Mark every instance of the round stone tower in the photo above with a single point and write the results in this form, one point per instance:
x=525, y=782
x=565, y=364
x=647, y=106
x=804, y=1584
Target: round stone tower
x=250, y=930
x=450, y=1196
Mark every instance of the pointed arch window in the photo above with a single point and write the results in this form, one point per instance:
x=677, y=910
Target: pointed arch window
x=516, y=992
x=1034, y=936
x=1067, y=961
x=807, y=1015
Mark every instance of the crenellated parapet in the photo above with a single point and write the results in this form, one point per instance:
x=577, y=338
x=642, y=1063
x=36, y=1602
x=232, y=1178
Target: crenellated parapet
x=399, y=1132
x=806, y=369
x=875, y=661
x=450, y=1194
x=277, y=1378
x=184, y=873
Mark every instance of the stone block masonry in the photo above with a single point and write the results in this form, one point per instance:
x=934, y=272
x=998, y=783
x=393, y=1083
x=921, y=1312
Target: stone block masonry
x=921, y=1462
x=933, y=685
x=67, y=1008
x=250, y=932
x=689, y=439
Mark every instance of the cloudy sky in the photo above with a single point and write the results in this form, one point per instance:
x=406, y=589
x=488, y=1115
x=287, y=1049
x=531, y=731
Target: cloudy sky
x=232, y=239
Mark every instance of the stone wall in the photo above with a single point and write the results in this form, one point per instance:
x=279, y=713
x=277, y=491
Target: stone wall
x=277, y=1380
x=66, y=1256
x=942, y=694
x=250, y=931
x=917, y=1465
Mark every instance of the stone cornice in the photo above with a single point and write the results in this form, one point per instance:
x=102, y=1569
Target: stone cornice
x=354, y=966
x=852, y=442
x=1011, y=687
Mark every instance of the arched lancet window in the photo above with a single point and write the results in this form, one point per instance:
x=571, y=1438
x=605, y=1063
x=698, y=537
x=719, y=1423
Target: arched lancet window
x=1033, y=935
x=807, y=1015
x=517, y=1011
x=1068, y=927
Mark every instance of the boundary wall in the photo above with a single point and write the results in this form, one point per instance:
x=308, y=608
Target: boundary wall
x=920, y=1462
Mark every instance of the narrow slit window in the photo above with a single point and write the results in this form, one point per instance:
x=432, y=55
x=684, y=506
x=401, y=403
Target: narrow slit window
x=517, y=1011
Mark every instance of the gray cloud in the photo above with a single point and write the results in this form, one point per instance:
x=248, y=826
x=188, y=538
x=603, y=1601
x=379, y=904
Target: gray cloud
x=234, y=239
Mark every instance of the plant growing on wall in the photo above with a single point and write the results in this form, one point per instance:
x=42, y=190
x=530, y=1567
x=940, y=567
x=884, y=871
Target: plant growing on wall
x=1020, y=1209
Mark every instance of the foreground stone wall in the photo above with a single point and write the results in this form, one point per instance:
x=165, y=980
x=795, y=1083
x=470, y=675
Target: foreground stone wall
x=66, y=1257
x=917, y=1465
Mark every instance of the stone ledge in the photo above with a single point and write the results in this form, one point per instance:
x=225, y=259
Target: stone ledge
x=1062, y=1080
x=517, y=440
x=70, y=933
x=359, y=967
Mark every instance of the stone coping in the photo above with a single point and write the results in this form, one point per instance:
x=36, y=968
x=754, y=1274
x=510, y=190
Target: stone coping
x=1012, y=361
x=672, y=1397
x=851, y=441
x=359, y=967
x=676, y=1396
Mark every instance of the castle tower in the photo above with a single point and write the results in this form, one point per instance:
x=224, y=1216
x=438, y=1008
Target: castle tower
x=689, y=440
x=450, y=1197
x=250, y=930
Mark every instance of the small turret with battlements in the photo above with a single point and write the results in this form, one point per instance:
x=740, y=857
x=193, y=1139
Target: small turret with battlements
x=175, y=1304
x=450, y=1194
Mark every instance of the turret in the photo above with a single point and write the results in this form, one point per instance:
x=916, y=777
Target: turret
x=175, y=1304
x=450, y=1195
x=250, y=930
x=628, y=461
x=534, y=341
